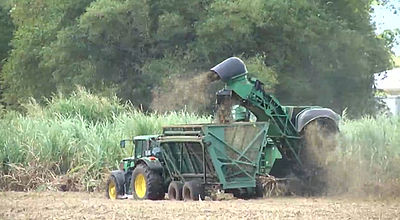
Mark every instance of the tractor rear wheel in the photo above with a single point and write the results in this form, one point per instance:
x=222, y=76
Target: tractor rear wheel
x=175, y=190
x=146, y=183
x=193, y=191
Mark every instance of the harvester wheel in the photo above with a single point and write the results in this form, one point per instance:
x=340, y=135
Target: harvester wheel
x=175, y=190
x=193, y=191
x=241, y=194
x=112, y=188
x=146, y=183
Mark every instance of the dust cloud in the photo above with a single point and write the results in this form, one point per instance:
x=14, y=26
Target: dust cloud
x=337, y=173
x=195, y=94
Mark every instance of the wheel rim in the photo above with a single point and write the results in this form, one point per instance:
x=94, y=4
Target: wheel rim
x=140, y=185
x=112, y=190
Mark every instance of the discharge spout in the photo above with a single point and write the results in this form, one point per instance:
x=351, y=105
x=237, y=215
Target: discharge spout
x=229, y=68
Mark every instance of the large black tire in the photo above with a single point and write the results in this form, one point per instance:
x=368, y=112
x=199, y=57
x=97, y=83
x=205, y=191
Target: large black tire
x=175, y=190
x=192, y=191
x=112, y=188
x=146, y=183
x=242, y=194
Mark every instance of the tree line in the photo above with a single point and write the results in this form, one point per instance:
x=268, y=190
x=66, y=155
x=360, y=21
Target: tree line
x=308, y=52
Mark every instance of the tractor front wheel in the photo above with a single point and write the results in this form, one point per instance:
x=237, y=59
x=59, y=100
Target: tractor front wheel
x=146, y=183
x=112, y=188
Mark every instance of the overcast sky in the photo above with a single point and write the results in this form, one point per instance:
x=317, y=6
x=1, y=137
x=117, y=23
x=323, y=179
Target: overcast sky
x=387, y=19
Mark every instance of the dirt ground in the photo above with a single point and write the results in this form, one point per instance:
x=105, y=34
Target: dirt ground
x=69, y=205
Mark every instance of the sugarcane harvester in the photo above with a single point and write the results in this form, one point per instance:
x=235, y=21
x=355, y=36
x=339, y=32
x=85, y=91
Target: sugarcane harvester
x=191, y=161
x=287, y=124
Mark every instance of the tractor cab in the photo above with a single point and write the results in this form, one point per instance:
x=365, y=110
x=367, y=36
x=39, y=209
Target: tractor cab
x=144, y=146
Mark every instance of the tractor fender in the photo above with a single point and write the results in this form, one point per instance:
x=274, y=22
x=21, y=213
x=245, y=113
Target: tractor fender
x=308, y=115
x=152, y=162
x=119, y=176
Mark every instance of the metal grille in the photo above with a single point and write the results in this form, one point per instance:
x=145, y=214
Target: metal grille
x=240, y=137
x=237, y=148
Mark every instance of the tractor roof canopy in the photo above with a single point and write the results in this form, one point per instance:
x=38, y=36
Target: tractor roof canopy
x=145, y=137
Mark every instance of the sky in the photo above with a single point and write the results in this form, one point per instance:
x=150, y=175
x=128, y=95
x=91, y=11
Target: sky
x=386, y=19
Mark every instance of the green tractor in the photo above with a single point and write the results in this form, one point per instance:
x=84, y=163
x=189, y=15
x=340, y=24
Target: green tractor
x=140, y=175
x=191, y=161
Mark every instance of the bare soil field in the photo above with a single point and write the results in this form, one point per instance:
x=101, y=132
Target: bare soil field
x=70, y=205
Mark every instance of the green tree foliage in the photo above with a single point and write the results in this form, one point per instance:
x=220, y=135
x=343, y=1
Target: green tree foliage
x=109, y=45
x=124, y=45
x=6, y=30
x=308, y=52
x=325, y=52
x=37, y=24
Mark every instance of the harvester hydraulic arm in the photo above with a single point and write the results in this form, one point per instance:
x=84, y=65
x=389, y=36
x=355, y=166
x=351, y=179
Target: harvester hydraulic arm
x=265, y=107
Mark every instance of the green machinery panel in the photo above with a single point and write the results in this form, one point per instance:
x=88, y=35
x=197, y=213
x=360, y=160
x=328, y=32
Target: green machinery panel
x=183, y=159
x=235, y=151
